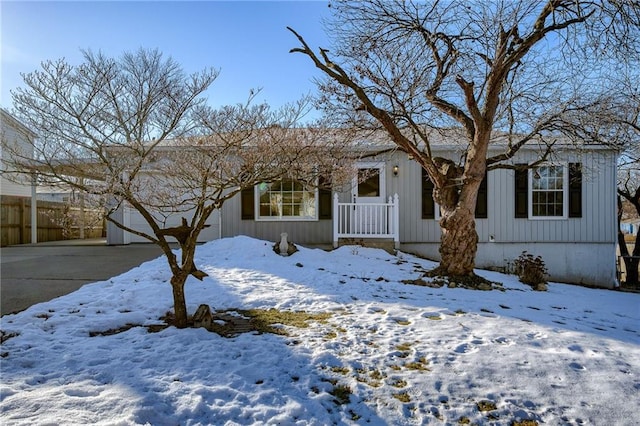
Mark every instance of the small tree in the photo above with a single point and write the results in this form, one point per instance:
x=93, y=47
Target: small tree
x=135, y=131
x=518, y=71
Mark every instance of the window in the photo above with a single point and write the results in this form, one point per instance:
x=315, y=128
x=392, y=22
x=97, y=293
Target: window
x=548, y=191
x=551, y=191
x=369, y=182
x=286, y=199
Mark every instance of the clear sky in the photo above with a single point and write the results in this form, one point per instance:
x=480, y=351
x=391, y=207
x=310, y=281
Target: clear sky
x=247, y=40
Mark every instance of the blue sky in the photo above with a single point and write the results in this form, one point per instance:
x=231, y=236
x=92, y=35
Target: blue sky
x=246, y=40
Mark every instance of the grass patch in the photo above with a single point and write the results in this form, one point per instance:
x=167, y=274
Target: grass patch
x=402, y=322
x=264, y=321
x=299, y=319
x=377, y=375
x=419, y=365
x=486, y=406
x=340, y=370
x=373, y=378
x=231, y=322
x=331, y=335
x=402, y=397
x=399, y=383
x=404, y=347
x=341, y=393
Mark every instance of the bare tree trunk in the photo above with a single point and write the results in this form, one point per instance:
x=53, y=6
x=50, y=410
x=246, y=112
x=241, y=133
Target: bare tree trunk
x=179, y=302
x=632, y=262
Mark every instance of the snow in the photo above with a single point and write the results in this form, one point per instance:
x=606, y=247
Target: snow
x=570, y=355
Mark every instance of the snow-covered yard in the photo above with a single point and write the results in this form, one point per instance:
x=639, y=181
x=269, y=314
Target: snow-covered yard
x=390, y=353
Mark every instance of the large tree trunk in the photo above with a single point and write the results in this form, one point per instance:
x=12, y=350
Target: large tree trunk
x=459, y=239
x=458, y=243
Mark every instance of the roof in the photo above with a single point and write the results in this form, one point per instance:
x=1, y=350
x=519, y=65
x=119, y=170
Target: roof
x=15, y=123
x=378, y=139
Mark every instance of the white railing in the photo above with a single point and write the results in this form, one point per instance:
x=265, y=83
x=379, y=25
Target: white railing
x=366, y=220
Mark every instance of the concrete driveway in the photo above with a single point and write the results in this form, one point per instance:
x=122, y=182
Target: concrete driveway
x=34, y=273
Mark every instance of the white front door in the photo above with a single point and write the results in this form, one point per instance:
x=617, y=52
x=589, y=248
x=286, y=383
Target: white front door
x=368, y=189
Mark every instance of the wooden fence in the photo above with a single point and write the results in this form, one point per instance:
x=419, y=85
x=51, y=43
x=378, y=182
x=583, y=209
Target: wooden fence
x=56, y=221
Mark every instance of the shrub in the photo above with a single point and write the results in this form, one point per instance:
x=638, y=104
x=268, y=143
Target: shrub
x=531, y=270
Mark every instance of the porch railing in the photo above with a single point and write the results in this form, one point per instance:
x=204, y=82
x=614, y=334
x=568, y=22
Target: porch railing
x=366, y=220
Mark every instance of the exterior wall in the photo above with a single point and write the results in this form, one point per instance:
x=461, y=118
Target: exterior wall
x=591, y=264
x=580, y=250
x=316, y=232
x=131, y=218
x=117, y=236
x=13, y=133
x=212, y=232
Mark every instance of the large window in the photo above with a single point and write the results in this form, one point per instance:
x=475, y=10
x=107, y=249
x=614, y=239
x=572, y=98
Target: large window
x=286, y=199
x=549, y=191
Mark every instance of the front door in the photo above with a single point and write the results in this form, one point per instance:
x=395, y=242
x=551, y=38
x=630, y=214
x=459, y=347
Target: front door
x=368, y=190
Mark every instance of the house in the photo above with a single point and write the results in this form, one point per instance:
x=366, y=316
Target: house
x=630, y=226
x=15, y=135
x=563, y=210
x=16, y=189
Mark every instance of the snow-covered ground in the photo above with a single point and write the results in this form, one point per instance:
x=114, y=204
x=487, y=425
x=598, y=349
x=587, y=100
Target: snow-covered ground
x=404, y=354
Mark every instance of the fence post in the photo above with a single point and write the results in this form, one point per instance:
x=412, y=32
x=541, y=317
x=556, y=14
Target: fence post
x=396, y=221
x=336, y=220
x=34, y=209
x=23, y=221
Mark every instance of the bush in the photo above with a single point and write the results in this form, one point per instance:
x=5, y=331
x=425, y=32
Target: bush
x=531, y=270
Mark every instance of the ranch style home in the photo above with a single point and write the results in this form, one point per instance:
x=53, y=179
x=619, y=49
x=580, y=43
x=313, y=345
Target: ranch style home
x=563, y=210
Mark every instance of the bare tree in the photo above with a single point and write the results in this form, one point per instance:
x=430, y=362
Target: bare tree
x=629, y=180
x=136, y=132
x=518, y=71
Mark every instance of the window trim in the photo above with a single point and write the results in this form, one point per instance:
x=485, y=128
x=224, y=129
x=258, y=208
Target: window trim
x=565, y=191
x=258, y=218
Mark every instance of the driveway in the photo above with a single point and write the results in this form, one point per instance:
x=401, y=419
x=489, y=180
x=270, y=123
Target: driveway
x=34, y=273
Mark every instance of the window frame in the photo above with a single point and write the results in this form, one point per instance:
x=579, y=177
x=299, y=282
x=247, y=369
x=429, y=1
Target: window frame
x=565, y=191
x=315, y=218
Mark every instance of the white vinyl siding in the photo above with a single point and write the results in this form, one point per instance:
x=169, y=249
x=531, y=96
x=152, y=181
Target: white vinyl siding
x=598, y=204
x=13, y=134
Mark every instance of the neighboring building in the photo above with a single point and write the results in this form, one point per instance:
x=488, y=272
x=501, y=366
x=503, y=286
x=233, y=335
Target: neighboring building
x=630, y=226
x=14, y=134
x=564, y=211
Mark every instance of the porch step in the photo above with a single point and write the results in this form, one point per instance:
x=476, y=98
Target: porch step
x=385, y=244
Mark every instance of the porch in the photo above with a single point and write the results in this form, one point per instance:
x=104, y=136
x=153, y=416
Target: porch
x=367, y=224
